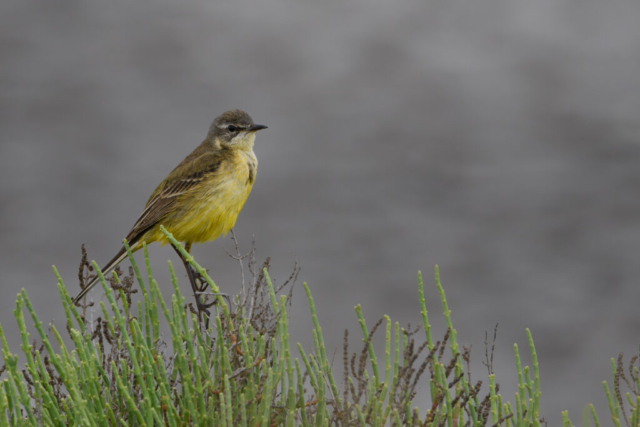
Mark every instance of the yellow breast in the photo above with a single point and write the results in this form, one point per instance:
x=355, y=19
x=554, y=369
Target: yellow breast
x=212, y=209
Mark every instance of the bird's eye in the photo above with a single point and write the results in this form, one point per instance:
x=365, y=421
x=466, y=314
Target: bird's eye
x=231, y=128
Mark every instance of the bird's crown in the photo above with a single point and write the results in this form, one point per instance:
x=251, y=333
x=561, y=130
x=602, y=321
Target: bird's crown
x=236, y=118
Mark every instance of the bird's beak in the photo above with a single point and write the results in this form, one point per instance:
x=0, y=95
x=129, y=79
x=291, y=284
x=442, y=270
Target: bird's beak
x=255, y=128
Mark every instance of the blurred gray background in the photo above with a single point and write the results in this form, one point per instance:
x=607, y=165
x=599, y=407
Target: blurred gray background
x=498, y=139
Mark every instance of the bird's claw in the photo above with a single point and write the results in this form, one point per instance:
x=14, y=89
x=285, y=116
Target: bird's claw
x=199, y=285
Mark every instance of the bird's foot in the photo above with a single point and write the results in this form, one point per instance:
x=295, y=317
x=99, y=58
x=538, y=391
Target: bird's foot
x=200, y=285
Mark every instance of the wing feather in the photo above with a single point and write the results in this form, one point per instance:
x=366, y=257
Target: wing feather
x=160, y=204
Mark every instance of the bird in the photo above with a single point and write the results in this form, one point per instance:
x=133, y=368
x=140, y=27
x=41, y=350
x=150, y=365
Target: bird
x=201, y=198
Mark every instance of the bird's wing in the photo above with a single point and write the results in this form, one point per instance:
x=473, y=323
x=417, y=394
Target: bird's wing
x=168, y=192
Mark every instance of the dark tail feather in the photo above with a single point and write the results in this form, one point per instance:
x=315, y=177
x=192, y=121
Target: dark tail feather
x=122, y=254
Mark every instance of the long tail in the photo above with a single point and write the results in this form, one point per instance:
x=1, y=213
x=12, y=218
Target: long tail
x=122, y=254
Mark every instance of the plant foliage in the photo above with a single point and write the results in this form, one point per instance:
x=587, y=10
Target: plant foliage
x=120, y=370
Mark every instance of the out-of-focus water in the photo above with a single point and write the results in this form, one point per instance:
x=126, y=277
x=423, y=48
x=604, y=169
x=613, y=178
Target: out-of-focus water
x=498, y=139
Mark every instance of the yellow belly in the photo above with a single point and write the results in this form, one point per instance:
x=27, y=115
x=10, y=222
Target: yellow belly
x=211, y=210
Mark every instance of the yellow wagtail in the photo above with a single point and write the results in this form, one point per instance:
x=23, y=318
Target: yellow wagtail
x=202, y=197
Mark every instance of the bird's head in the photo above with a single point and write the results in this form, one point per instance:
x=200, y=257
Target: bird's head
x=234, y=129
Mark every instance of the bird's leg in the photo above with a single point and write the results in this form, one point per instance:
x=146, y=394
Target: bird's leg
x=197, y=277
x=194, y=278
